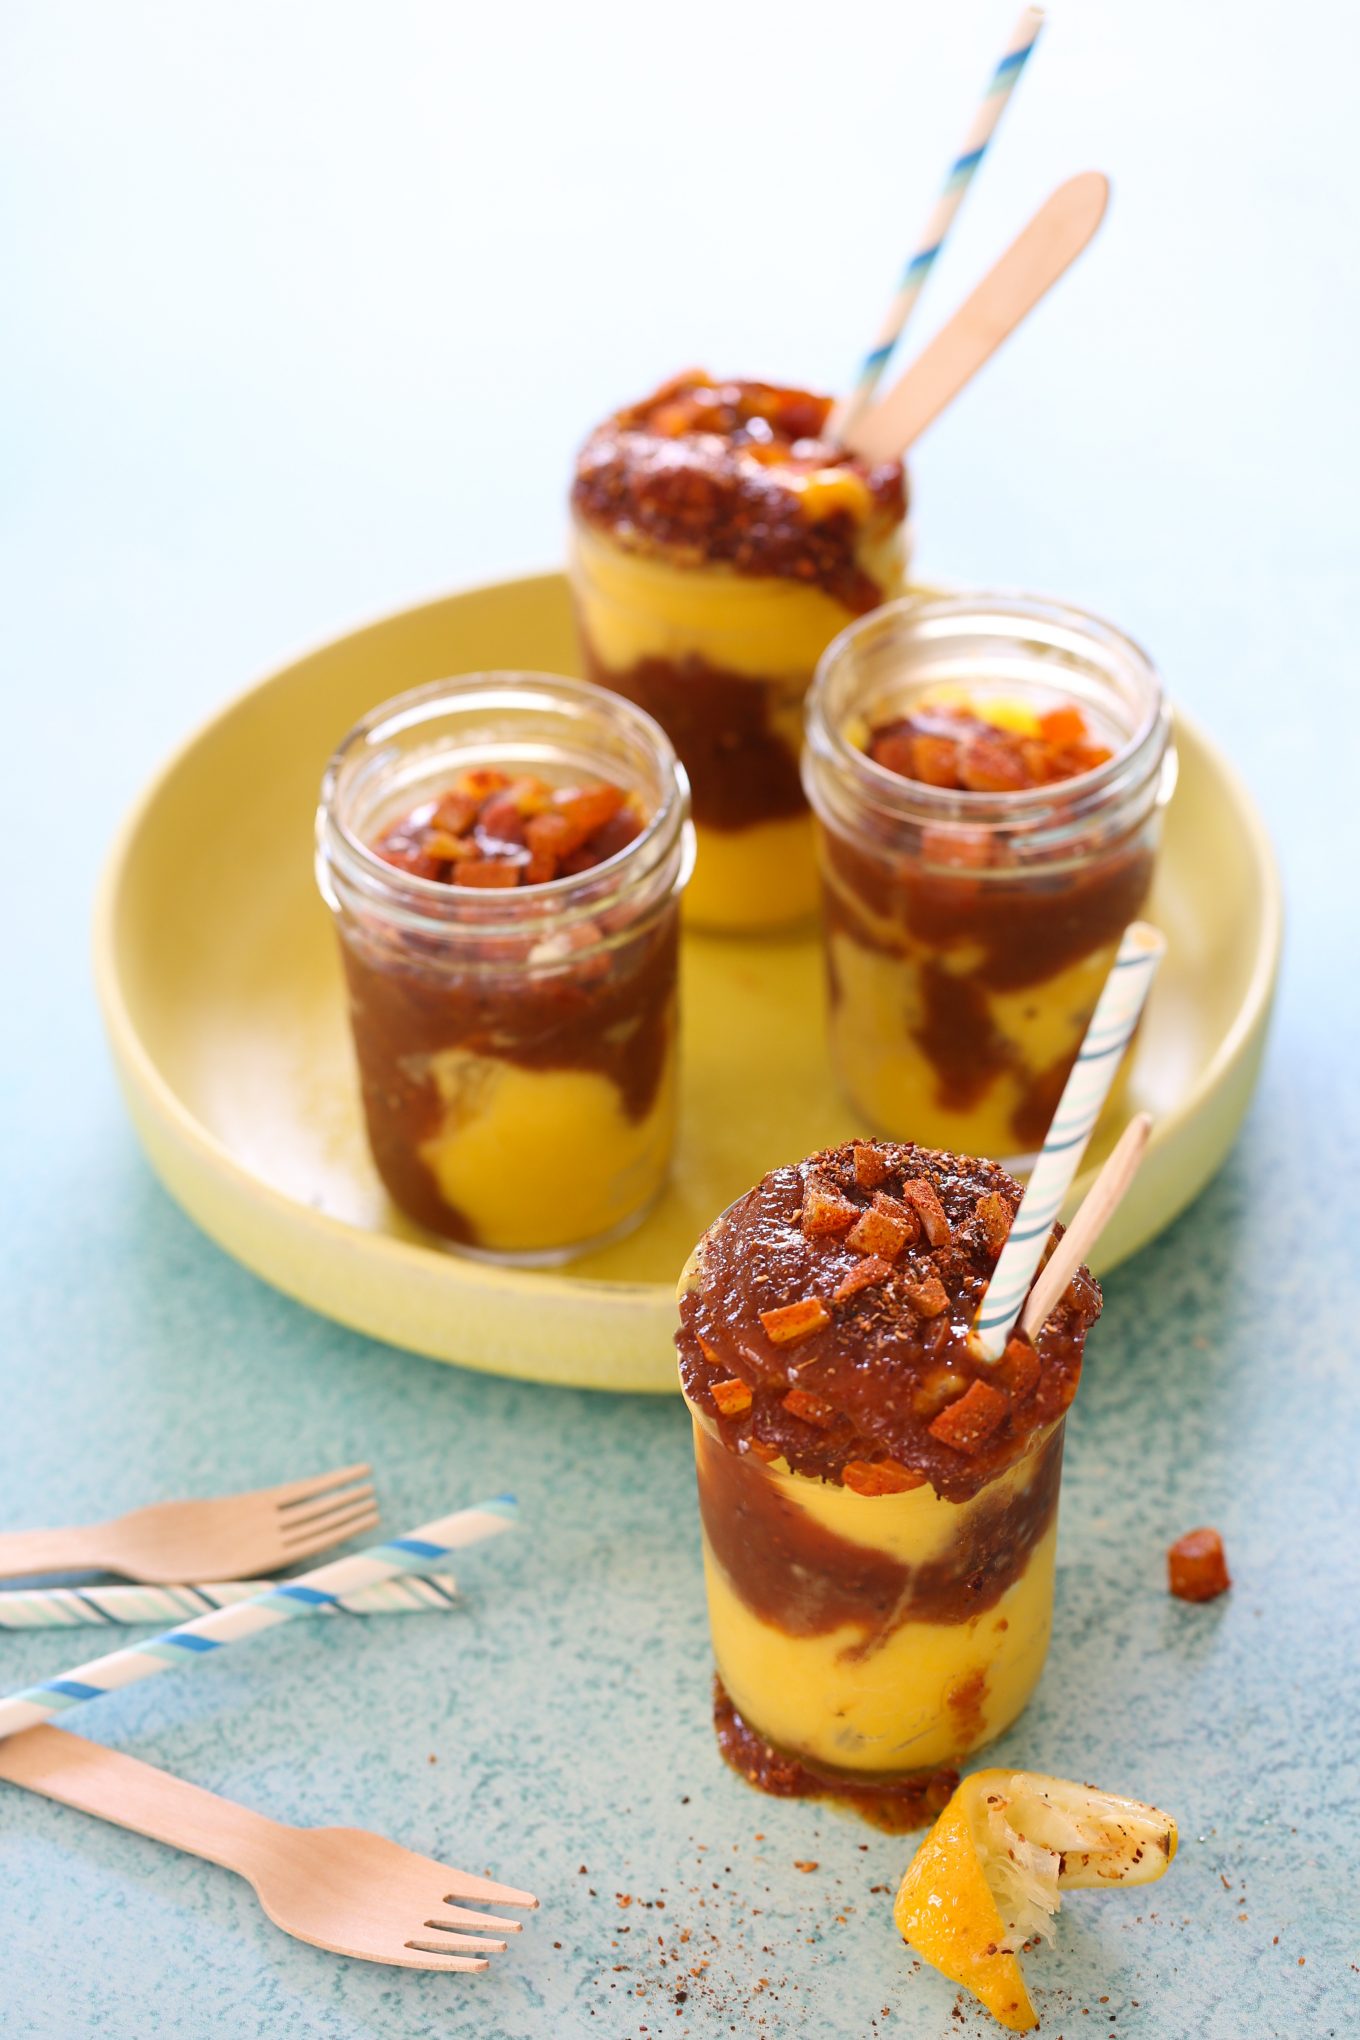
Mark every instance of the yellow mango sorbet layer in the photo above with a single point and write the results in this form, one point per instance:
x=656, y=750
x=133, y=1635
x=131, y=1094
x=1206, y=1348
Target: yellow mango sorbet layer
x=764, y=876
x=633, y=606
x=592, y=1166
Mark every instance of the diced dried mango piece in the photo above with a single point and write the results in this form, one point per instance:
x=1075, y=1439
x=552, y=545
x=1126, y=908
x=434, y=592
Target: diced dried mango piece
x=500, y=821
x=1062, y=726
x=732, y=1397
x=488, y=872
x=1197, y=1566
x=800, y=1402
x=456, y=811
x=905, y=1214
x=929, y=1297
x=1019, y=1368
x=991, y=765
x=993, y=1213
x=795, y=1321
x=866, y=1274
x=921, y=1193
x=587, y=809
x=934, y=760
x=877, y=1232
x=825, y=1211
x=974, y=1419
x=869, y=1165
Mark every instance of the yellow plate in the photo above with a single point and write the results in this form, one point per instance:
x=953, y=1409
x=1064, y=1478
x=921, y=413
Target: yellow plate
x=221, y=993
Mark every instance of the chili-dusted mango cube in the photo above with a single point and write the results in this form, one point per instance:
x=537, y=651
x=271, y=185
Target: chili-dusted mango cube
x=795, y=1321
x=1197, y=1566
x=970, y=1422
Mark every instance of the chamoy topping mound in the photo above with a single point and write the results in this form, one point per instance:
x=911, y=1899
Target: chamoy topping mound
x=494, y=831
x=827, y=1323
x=989, y=748
x=739, y=473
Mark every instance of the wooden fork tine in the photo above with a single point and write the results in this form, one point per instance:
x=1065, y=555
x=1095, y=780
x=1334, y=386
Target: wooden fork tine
x=418, y=1959
x=309, y=1513
x=465, y=1885
x=303, y=1490
x=364, y=1503
x=459, y=1916
x=442, y=1938
x=323, y=1540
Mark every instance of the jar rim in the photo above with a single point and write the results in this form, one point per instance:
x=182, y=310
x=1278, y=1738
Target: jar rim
x=1065, y=623
x=438, y=904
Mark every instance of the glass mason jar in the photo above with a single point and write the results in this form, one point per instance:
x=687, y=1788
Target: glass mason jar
x=968, y=934
x=516, y=1047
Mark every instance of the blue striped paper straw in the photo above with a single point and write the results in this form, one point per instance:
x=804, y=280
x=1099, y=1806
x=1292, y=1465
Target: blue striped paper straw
x=1087, y=1087
x=96, y=1607
x=962, y=172
x=423, y=1551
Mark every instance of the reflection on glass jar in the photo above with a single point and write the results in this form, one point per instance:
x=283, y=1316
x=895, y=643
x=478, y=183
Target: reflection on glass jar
x=718, y=545
x=504, y=855
x=988, y=774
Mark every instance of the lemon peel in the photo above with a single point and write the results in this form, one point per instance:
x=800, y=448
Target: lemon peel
x=987, y=1879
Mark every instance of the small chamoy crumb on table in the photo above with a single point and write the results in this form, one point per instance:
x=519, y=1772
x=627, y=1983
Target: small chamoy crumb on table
x=1197, y=1566
x=494, y=831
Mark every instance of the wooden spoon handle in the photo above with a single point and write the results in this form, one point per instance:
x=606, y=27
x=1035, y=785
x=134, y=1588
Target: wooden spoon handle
x=1092, y=1216
x=1032, y=264
x=133, y=1795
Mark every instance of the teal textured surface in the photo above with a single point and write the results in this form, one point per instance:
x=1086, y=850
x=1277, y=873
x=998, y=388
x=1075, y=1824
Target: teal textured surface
x=252, y=295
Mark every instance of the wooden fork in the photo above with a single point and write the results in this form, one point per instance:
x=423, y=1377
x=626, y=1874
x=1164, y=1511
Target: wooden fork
x=234, y=1537
x=339, y=1888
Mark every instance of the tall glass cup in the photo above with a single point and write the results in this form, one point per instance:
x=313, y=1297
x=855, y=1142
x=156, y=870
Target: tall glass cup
x=879, y=1507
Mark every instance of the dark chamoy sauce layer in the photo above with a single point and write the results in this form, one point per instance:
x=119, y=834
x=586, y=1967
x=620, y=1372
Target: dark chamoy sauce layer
x=828, y=1324
x=612, y=1012
x=798, y=1576
x=741, y=770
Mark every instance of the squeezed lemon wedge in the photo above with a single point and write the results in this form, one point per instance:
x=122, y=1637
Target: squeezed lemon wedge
x=988, y=1876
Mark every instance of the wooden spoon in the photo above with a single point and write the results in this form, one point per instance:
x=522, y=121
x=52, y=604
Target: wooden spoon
x=1092, y=1216
x=1032, y=264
